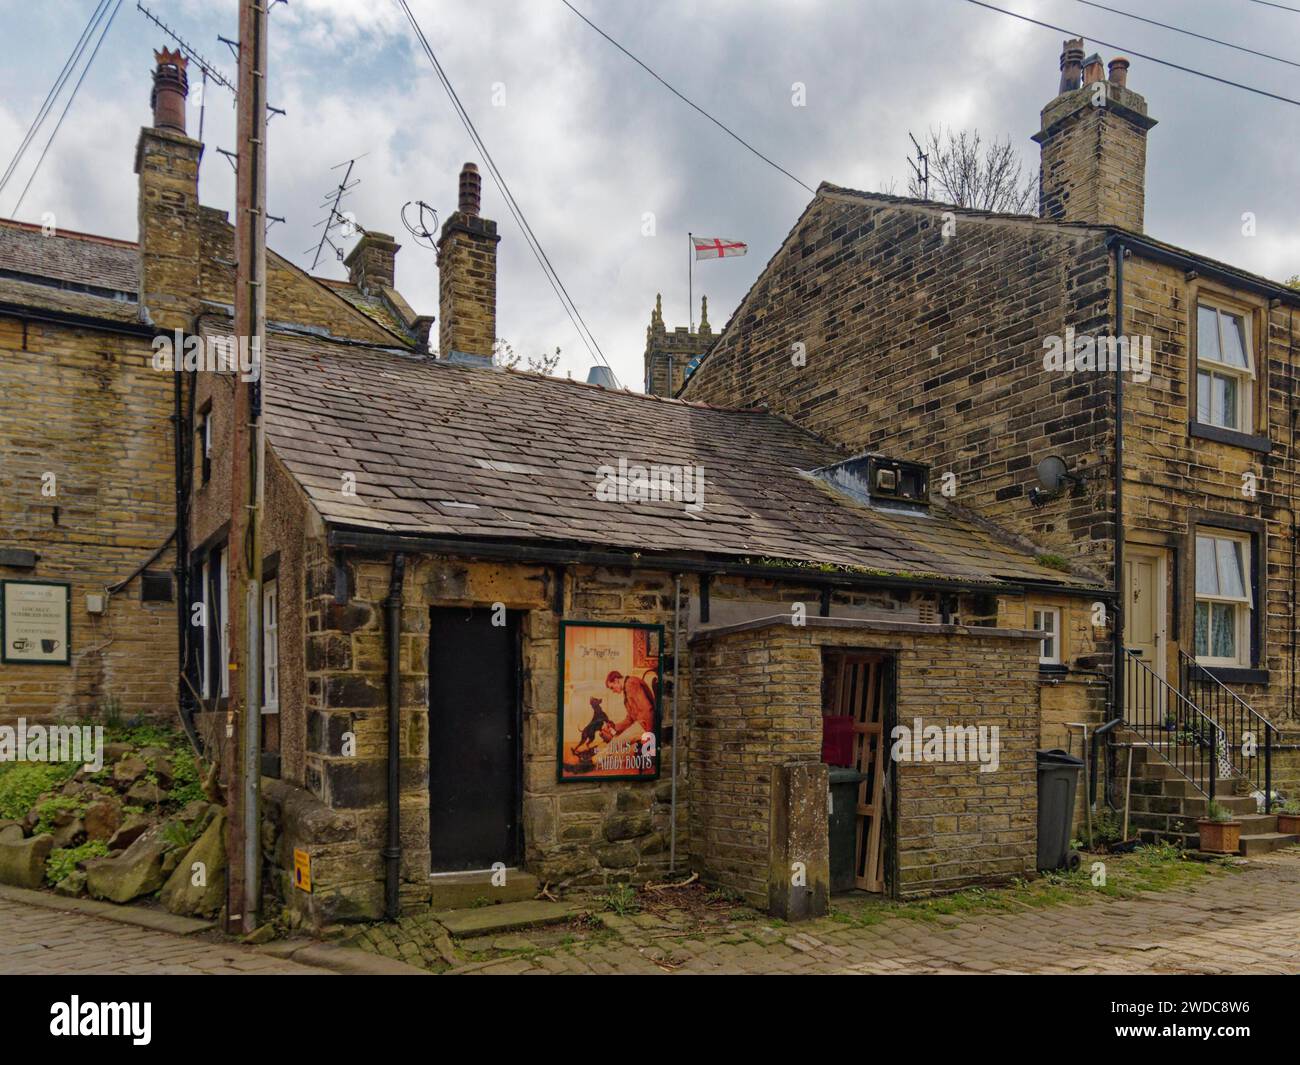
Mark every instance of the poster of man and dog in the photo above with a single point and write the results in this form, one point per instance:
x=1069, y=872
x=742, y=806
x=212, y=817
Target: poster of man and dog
x=611, y=679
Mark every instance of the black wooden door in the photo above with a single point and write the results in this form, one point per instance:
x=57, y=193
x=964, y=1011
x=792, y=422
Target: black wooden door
x=475, y=761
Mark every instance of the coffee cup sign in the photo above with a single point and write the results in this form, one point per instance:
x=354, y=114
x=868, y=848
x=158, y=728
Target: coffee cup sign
x=35, y=622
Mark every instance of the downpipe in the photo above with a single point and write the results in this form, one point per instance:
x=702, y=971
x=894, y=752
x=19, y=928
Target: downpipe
x=392, y=853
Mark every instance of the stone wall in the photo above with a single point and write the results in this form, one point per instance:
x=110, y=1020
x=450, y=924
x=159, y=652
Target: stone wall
x=759, y=704
x=87, y=407
x=876, y=331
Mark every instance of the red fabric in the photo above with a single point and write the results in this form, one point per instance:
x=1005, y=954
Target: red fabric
x=837, y=739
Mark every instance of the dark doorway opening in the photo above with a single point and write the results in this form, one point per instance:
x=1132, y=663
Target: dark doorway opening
x=857, y=722
x=475, y=748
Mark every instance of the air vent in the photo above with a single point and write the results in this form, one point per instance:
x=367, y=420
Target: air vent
x=156, y=587
x=876, y=480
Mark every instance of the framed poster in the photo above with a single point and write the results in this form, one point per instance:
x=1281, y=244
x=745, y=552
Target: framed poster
x=36, y=622
x=611, y=677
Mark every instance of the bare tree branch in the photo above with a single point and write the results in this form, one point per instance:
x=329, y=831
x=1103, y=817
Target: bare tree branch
x=967, y=172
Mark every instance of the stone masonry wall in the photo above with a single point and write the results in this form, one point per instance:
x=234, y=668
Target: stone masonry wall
x=759, y=703
x=87, y=407
x=930, y=348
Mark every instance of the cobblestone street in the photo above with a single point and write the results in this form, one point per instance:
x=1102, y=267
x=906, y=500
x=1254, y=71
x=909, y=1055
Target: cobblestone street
x=36, y=940
x=1225, y=922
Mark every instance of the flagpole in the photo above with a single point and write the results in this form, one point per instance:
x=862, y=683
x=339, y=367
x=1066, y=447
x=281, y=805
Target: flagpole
x=690, y=282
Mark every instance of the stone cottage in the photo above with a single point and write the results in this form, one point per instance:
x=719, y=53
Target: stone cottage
x=1127, y=405
x=509, y=621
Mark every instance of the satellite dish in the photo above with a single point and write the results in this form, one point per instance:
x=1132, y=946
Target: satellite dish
x=1052, y=473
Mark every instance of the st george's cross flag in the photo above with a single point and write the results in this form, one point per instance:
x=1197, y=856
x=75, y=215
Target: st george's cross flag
x=717, y=247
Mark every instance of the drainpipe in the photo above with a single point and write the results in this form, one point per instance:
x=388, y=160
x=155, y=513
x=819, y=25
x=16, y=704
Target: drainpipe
x=1117, y=622
x=393, y=851
x=677, y=628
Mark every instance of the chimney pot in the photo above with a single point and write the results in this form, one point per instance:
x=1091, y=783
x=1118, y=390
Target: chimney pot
x=471, y=190
x=1071, y=65
x=1118, y=68
x=170, y=88
x=1093, y=70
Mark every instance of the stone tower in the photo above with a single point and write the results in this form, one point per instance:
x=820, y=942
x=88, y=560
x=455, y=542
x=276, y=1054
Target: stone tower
x=1094, y=145
x=670, y=357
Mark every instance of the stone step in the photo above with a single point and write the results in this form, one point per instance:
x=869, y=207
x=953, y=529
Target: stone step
x=456, y=891
x=508, y=917
x=1255, y=824
x=1263, y=842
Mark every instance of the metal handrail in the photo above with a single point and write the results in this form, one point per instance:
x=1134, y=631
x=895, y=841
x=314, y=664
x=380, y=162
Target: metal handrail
x=1155, y=708
x=1232, y=714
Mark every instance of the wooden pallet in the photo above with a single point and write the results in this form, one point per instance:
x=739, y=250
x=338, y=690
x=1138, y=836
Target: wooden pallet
x=860, y=694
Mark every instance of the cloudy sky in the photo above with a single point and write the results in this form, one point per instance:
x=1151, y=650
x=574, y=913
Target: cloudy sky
x=590, y=144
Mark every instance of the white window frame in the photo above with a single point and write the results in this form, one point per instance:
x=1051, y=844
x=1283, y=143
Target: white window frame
x=1244, y=619
x=270, y=647
x=205, y=655
x=225, y=623
x=1210, y=368
x=1049, y=648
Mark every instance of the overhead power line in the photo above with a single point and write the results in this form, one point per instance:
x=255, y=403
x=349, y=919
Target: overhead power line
x=1189, y=33
x=68, y=106
x=1282, y=7
x=69, y=65
x=530, y=238
x=1140, y=55
x=686, y=100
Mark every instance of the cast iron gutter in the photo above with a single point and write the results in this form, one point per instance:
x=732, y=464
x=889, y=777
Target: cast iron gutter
x=392, y=853
x=78, y=321
x=1222, y=274
x=343, y=536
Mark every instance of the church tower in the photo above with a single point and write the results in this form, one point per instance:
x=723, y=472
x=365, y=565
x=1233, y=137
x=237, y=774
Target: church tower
x=671, y=357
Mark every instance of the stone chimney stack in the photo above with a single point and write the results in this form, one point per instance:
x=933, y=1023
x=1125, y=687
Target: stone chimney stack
x=467, y=278
x=1093, y=140
x=372, y=264
x=167, y=163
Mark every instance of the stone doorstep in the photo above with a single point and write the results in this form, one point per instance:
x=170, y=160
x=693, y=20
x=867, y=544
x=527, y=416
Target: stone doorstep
x=458, y=891
x=508, y=917
x=157, y=920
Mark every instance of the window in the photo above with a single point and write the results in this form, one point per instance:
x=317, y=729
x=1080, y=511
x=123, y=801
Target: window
x=1048, y=620
x=205, y=445
x=215, y=660
x=1224, y=369
x=1223, y=606
x=270, y=648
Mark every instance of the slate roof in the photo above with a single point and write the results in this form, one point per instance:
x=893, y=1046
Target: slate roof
x=80, y=258
x=456, y=451
x=71, y=272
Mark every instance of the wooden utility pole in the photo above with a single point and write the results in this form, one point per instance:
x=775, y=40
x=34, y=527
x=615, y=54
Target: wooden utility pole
x=247, y=481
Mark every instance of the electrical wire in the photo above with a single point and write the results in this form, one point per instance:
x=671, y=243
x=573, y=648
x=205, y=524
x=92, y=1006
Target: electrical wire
x=59, y=125
x=1190, y=33
x=686, y=100
x=543, y=260
x=1281, y=7
x=1140, y=55
x=68, y=65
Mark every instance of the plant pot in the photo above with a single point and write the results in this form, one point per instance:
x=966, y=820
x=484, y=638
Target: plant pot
x=1219, y=837
x=1288, y=824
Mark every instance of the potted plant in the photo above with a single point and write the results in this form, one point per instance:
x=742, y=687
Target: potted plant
x=1288, y=818
x=1220, y=833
